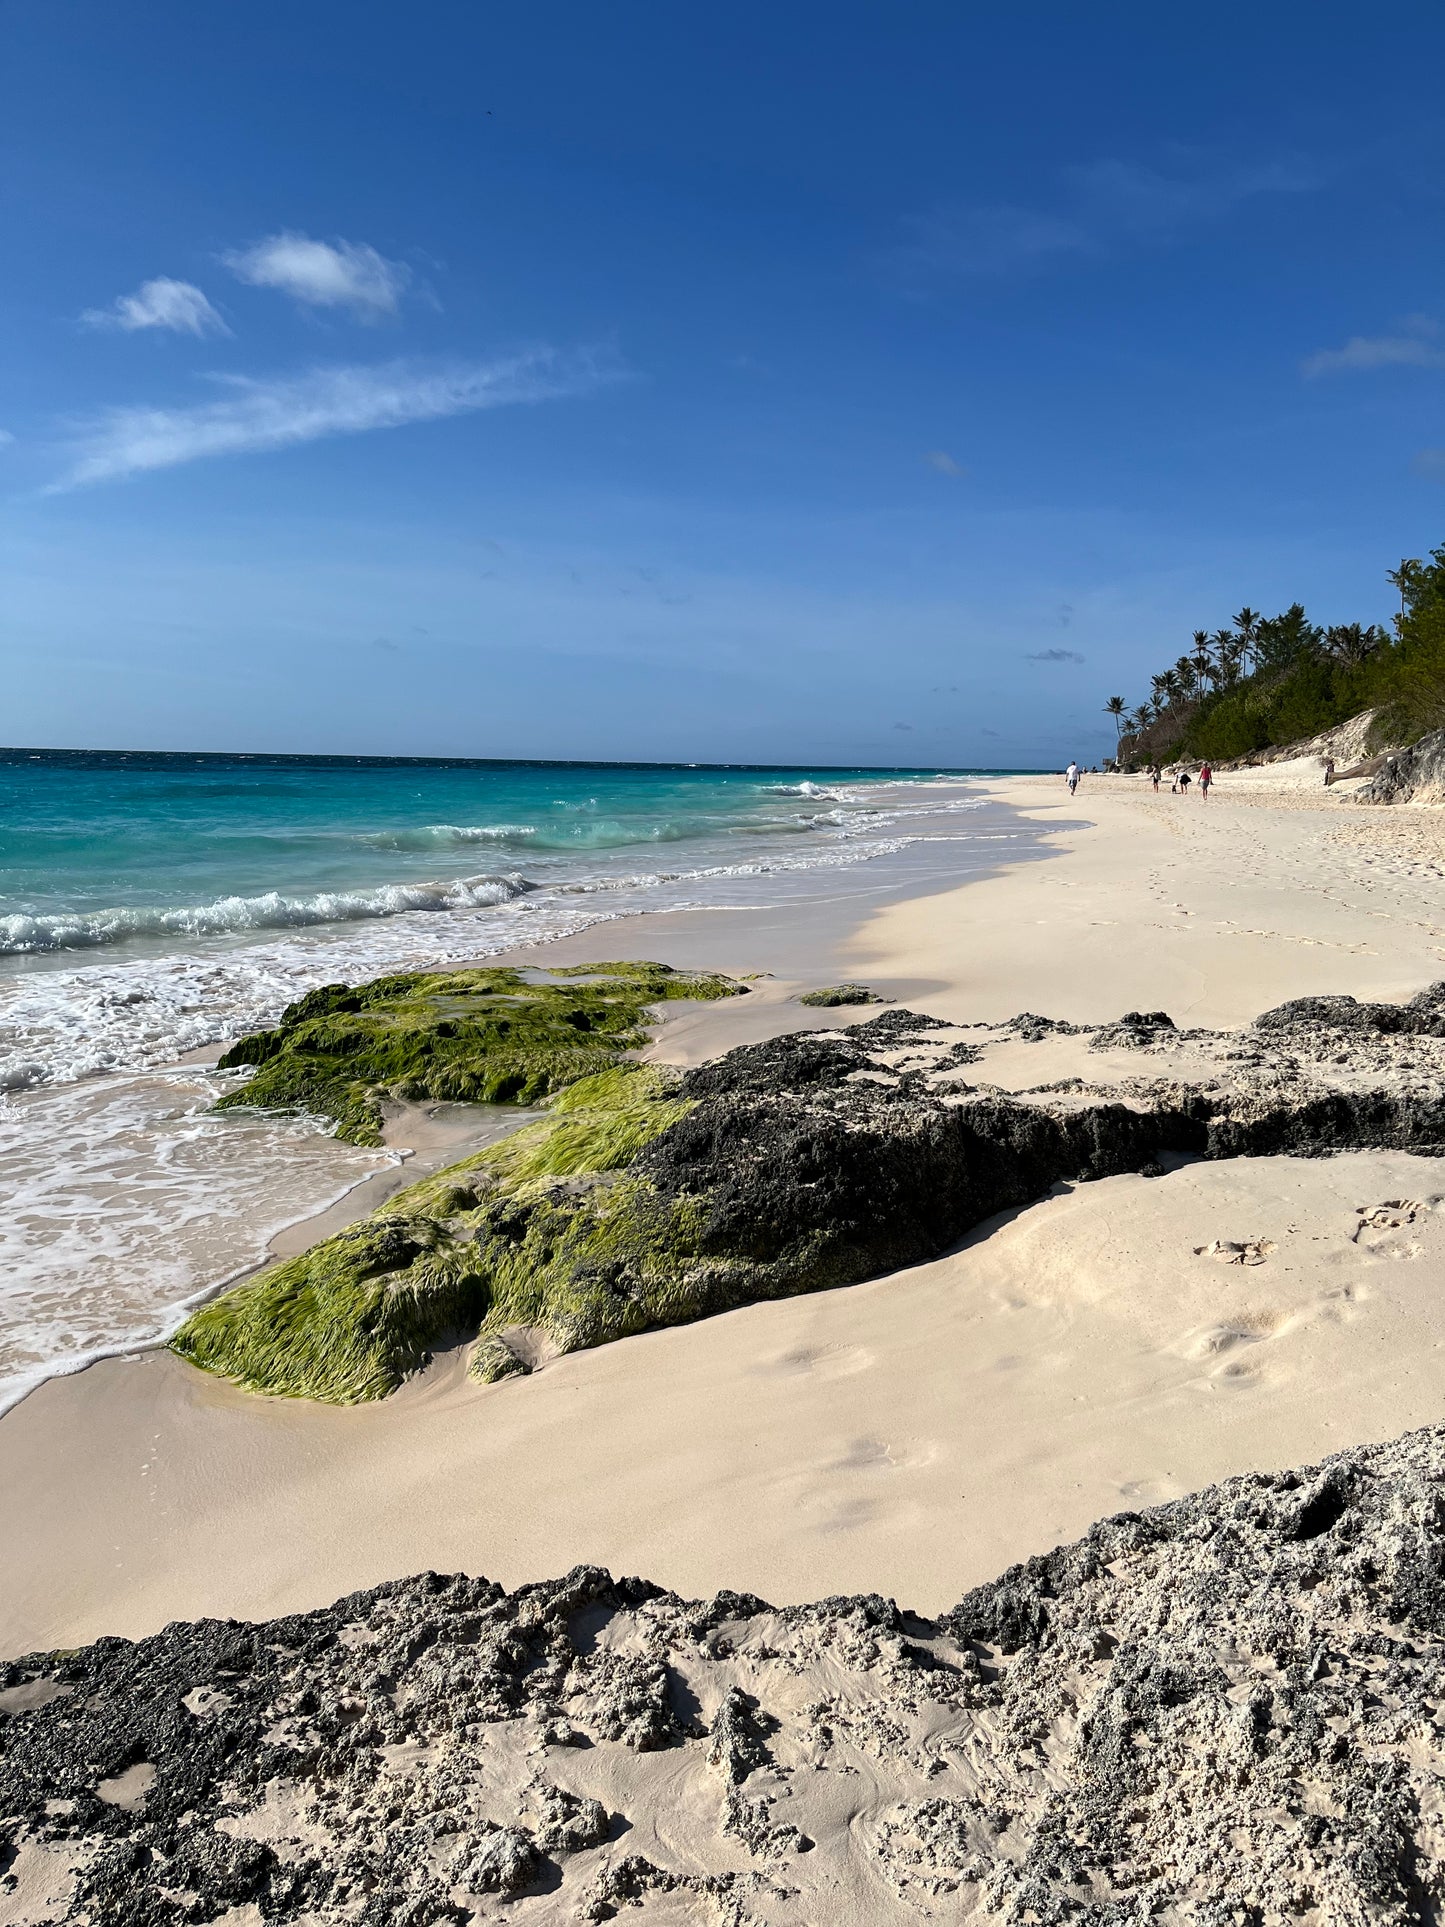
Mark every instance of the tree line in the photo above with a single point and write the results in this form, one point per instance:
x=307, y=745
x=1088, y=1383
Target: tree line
x=1268, y=680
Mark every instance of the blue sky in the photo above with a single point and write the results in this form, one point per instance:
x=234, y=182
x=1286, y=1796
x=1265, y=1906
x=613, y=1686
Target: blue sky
x=803, y=382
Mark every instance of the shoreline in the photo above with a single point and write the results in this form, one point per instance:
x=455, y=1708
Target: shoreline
x=804, y=928
x=813, y=1444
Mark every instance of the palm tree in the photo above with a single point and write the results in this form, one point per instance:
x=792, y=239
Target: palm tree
x=1201, y=657
x=1115, y=708
x=1247, y=623
x=1170, y=687
x=1231, y=656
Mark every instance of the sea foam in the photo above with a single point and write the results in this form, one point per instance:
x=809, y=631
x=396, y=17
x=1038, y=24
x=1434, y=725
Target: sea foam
x=24, y=934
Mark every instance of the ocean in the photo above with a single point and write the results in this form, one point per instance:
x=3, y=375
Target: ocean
x=155, y=904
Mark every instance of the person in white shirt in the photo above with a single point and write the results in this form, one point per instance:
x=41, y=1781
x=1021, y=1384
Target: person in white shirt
x=1072, y=776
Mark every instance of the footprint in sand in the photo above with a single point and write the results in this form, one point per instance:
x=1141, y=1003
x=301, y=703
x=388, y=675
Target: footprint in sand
x=1378, y=1225
x=816, y=1361
x=1237, y=1251
x=1247, y=1328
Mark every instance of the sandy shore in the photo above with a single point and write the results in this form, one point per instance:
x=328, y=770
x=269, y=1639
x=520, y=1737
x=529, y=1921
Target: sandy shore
x=912, y=1435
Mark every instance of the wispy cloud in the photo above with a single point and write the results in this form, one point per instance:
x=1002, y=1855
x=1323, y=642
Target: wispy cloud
x=5, y=437
x=254, y=415
x=940, y=459
x=163, y=303
x=1430, y=462
x=1100, y=206
x=1055, y=655
x=1417, y=346
x=323, y=274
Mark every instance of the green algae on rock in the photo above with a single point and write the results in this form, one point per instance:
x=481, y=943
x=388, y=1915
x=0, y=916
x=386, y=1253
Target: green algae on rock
x=485, y=1036
x=651, y=1197
x=348, y=1320
x=345, y=1321
x=834, y=995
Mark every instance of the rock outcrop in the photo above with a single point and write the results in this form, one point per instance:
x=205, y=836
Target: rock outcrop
x=652, y=1197
x=486, y=1036
x=1414, y=775
x=1231, y=1708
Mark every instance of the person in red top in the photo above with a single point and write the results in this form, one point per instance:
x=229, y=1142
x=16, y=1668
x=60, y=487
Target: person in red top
x=1206, y=777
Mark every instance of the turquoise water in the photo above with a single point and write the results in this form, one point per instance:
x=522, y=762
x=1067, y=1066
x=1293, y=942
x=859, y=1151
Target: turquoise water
x=151, y=906
x=102, y=849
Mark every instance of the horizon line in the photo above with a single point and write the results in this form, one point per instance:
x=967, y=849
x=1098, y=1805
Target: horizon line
x=35, y=752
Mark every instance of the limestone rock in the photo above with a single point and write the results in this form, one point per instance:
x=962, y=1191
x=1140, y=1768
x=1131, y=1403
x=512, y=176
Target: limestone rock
x=1227, y=1707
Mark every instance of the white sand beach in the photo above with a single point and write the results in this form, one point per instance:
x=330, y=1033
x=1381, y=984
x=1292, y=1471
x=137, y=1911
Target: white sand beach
x=912, y=1435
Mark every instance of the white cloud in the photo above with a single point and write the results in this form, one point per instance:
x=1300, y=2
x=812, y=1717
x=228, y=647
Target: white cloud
x=323, y=274
x=5, y=437
x=162, y=303
x=1418, y=347
x=279, y=413
x=940, y=459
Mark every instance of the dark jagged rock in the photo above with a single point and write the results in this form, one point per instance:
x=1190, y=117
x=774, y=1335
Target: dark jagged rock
x=1422, y=1016
x=1229, y=1705
x=652, y=1197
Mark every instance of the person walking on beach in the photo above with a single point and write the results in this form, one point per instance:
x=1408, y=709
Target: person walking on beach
x=1072, y=776
x=1154, y=776
x=1206, y=777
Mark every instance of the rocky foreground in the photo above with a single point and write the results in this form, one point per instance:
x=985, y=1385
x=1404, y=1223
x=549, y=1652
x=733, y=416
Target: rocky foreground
x=651, y=1196
x=1230, y=1709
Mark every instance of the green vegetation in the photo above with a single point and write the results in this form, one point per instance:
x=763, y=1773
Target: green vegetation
x=1266, y=681
x=837, y=994
x=472, y=1036
x=517, y=1234
x=345, y=1321
x=514, y=1235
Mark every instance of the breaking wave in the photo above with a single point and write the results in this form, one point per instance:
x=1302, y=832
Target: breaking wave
x=228, y=916
x=801, y=789
x=565, y=837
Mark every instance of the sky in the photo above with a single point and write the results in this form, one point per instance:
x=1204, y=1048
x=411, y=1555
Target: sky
x=802, y=383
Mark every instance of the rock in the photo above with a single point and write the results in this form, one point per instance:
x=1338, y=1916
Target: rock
x=1414, y=775
x=651, y=1197
x=491, y=1036
x=839, y=994
x=1236, y=1694
x=502, y=1861
x=739, y=1737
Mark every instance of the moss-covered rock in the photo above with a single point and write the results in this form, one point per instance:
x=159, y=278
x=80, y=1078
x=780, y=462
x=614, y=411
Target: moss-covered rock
x=491, y=1036
x=350, y=1318
x=346, y=1320
x=834, y=995
x=650, y=1197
